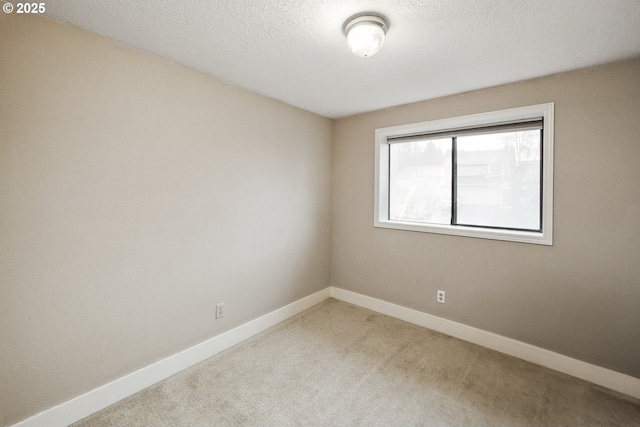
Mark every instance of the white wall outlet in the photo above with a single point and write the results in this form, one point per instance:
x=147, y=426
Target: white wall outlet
x=440, y=296
x=219, y=310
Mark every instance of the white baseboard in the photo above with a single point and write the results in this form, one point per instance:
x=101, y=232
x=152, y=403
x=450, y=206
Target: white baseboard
x=108, y=394
x=595, y=374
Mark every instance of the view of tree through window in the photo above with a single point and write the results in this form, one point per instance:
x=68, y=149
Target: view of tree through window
x=491, y=180
x=420, y=181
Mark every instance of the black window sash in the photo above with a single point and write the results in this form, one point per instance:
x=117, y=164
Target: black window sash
x=532, y=124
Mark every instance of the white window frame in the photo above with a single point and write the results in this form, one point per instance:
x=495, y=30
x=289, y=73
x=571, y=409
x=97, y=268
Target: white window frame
x=381, y=196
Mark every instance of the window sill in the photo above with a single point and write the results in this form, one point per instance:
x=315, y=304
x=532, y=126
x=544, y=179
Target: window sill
x=532, y=237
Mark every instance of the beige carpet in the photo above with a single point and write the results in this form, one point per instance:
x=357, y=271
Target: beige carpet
x=339, y=365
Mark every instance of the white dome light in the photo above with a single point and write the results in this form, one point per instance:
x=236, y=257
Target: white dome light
x=365, y=34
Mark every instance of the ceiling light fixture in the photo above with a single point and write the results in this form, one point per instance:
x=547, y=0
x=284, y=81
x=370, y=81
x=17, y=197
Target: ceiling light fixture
x=365, y=33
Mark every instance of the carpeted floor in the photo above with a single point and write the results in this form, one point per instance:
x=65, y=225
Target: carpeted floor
x=339, y=365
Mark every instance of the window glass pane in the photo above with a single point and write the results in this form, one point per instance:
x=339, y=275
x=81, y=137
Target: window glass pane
x=420, y=181
x=498, y=180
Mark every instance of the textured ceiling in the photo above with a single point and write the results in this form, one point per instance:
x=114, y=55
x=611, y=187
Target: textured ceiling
x=294, y=50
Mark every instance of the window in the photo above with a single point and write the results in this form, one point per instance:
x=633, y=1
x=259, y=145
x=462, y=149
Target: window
x=486, y=175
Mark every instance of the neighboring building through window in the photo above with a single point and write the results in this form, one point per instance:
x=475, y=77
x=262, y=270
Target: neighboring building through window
x=486, y=175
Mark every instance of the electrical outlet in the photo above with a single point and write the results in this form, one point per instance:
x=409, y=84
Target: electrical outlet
x=219, y=310
x=440, y=296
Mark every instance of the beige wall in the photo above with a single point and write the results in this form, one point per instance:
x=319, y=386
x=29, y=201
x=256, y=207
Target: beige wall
x=580, y=297
x=135, y=195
